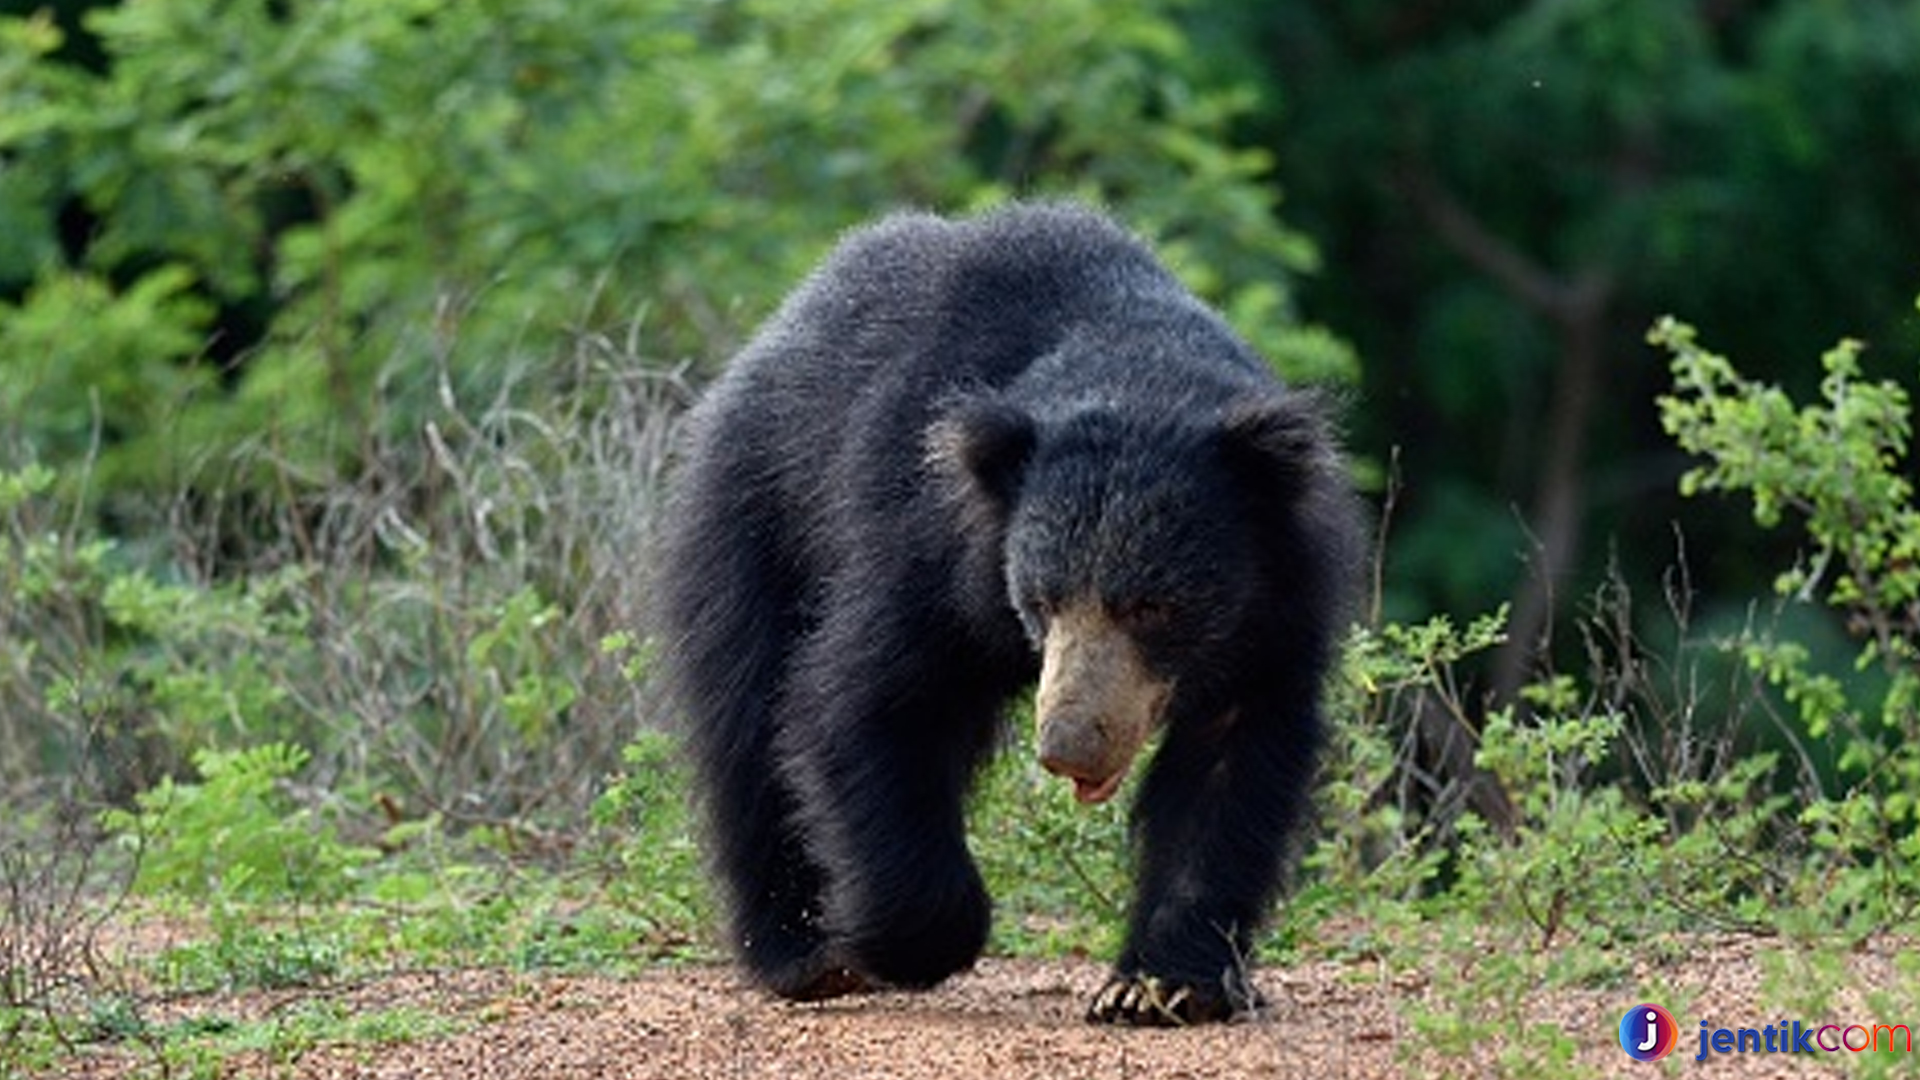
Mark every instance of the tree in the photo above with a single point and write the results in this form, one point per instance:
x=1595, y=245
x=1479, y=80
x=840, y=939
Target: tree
x=1509, y=193
x=280, y=217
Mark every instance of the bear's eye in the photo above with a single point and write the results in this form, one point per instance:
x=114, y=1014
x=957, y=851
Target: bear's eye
x=1144, y=615
x=1037, y=609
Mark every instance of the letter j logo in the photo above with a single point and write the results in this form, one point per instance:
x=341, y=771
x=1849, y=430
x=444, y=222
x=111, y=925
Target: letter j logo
x=1648, y=1033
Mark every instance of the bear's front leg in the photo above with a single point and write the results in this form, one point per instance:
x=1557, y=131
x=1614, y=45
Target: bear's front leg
x=1212, y=823
x=904, y=902
x=880, y=749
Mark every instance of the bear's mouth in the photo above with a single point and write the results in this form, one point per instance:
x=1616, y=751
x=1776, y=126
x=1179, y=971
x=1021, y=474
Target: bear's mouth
x=1091, y=793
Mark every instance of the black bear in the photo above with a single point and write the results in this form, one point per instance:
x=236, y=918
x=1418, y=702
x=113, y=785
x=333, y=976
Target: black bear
x=963, y=455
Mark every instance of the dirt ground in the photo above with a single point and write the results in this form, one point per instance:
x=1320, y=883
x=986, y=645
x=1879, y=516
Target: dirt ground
x=1007, y=1020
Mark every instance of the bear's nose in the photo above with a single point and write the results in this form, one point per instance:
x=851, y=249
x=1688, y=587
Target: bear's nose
x=1075, y=749
x=1081, y=752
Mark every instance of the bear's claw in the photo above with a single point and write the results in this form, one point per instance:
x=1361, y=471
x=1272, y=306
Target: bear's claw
x=1150, y=1001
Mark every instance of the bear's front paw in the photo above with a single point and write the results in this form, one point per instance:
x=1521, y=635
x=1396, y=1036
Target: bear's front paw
x=1141, y=1000
x=831, y=983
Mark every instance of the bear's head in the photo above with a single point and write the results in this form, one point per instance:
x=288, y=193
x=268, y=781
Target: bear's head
x=1134, y=549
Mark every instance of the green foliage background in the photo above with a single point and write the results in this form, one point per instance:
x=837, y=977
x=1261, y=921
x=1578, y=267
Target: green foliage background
x=342, y=345
x=364, y=317
x=277, y=221
x=1479, y=174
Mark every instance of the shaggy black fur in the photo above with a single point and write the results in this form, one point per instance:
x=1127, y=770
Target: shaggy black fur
x=947, y=430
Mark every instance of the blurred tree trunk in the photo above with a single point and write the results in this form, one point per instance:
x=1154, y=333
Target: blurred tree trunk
x=1577, y=305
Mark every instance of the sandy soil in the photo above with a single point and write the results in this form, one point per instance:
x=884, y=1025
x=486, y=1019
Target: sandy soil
x=1007, y=1020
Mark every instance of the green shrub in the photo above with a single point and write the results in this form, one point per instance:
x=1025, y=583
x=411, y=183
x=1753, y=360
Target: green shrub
x=363, y=188
x=433, y=653
x=1839, y=467
x=107, y=671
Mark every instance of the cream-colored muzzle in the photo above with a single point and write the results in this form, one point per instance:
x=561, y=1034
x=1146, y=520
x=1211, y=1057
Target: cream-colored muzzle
x=1097, y=703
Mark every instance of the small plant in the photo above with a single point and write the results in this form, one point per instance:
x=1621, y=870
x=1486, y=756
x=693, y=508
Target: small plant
x=644, y=834
x=55, y=896
x=1383, y=815
x=237, y=835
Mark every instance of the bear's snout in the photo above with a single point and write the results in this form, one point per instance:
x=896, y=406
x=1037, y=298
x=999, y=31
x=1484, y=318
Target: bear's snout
x=1097, y=703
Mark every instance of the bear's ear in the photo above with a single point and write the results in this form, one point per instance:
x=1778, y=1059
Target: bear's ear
x=985, y=443
x=1282, y=443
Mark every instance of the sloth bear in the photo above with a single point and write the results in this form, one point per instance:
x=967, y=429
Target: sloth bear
x=963, y=456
